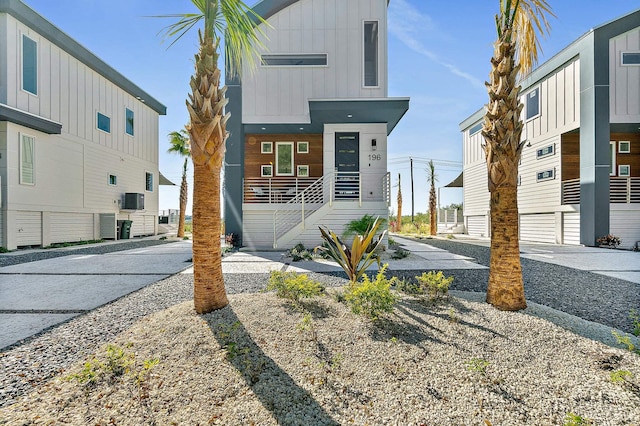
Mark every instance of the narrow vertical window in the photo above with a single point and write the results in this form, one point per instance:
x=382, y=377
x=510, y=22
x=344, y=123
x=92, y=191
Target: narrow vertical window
x=29, y=65
x=129, y=121
x=533, y=103
x=27, y=160
x=284, y=158
x=371, y=53
x=149, y=181
x=612, y=158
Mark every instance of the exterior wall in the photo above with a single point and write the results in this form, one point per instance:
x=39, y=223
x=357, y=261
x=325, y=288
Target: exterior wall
x=71, y=187
x=253, y=157
x=625, y=224
x=335, y=27
x=625, y=80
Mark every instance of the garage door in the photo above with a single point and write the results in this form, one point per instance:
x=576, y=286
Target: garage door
x=540, y=228
x=571, y=228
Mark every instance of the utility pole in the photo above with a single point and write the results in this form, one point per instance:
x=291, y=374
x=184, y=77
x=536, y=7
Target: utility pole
x=412, y=198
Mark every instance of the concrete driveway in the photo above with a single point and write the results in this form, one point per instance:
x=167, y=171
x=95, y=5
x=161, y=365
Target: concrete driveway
x=37, y=295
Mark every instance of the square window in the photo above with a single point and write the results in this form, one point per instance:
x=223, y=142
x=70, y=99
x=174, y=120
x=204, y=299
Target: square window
x=284, y=158
x=27, y=160
x=624, y=170
x=149, y=181
x=624, y=147
x=266, y=170
x=303, y=171
x=113, y=180
x=533, y=103
x=303, y=147
x=103, y=123
x=29, y=65
x=266, y=147
x=128, y=121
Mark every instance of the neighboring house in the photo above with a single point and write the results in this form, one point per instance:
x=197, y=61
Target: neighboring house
x=579, y=177
x=308, y=128
x=75, y=137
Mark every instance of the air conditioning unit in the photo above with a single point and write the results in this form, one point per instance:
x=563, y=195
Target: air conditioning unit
x=133, y=201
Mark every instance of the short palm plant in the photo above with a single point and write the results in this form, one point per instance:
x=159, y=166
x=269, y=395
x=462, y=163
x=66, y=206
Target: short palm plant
x=357, y=258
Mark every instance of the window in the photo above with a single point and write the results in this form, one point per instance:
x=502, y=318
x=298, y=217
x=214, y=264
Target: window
x=303, y=171
x=284, y=158
x=624, y=170
x=303, y=147
x=128, y=121
x=113, y=180
x=295, y=60
x=546, y=175
x=266, y=148
x=547, y=150
x=27, y=159
x=475, y=129
x=612, y=158
x=371, y=53
x=631, y=58
x=266, y=170
x=149, y=181
x=29, y=65
x=624, y=147
x=103, y=123
x=533, y=103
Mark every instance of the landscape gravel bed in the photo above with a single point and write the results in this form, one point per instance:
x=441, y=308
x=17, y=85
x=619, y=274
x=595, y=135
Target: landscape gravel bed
x=258, y=361
x=594, y=297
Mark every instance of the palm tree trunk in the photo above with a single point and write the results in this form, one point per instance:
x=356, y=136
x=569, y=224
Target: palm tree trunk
x=432, y=210
x=209, y=292
x=506, y=289
x=399, y=221
x=183, y=206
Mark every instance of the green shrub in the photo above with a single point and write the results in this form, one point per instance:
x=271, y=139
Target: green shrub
x=293, y=286
x=407, y=286
x=299, y=252
x=400, y=253
x=4, y=250
x=626, y=340
x=635, y=318
x=435, y=284
x=371, y=298
x=362, y=225
x=359, y=257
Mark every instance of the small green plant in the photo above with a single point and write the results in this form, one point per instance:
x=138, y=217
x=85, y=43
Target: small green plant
x=299, y=252
x=162, y=238
x=400, y=253
x=147, y=366
x=576, y=420
x=293, y=286
x=450, y=237
x=4, y=250
x=117, y=363
x=371, y=298
x=635, y=319
x=620, y=376
x=626, y=340
x=407, y=286
x=435, y=284
x=185, y=238
x=452, y=315
x=359, y=257
x=362, y=225
x=478, y=365
x=609, y=241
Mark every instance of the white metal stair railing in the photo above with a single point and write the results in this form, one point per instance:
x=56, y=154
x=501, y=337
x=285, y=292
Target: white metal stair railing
x=298, y=208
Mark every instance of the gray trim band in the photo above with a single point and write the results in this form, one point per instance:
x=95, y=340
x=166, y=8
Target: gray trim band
x=31, y=121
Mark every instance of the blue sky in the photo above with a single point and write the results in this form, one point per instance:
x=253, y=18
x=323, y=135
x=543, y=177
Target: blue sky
x=438, y=56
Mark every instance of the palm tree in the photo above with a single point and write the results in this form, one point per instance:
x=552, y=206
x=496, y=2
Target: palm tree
x=432, y=199
x=515, y=52
x=234, y=20
x=180, y=145
x=399, y=221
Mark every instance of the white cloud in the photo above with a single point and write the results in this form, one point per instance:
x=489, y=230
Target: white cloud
x=406, y=23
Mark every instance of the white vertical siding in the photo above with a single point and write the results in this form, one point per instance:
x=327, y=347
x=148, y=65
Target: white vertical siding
x=334, y=27
x=538, y=228
x=571, y=228
x=625, y=80
x=28, y=228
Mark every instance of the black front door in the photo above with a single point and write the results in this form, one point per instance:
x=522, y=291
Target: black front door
x=347, y=165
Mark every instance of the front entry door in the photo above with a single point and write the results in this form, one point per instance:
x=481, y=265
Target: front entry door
x=347, y=166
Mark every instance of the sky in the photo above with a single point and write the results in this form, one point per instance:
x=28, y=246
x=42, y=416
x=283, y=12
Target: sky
x=439, y=54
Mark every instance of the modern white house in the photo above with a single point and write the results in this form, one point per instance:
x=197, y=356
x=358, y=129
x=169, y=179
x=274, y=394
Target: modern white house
x=78, y=141
x=308, y=128
x=579, y=178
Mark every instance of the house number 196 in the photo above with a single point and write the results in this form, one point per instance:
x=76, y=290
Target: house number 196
x=375, y=157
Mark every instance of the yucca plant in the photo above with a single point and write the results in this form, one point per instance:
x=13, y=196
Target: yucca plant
x=360, y=256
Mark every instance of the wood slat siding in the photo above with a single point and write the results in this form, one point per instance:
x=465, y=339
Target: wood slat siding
x=625, y=224
x=108, y=226
x=66, y=227
x=571, y=228
x=477, y=226
x=571, y=154
x=539, y=228
x=632, y=158
x=28, y=228
x=253, y=159
x=625, y=80
x=70, y=93
x=334, y=27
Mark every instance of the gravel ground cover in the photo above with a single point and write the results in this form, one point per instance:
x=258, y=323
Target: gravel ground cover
x=598, y=298
x=259, y=362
